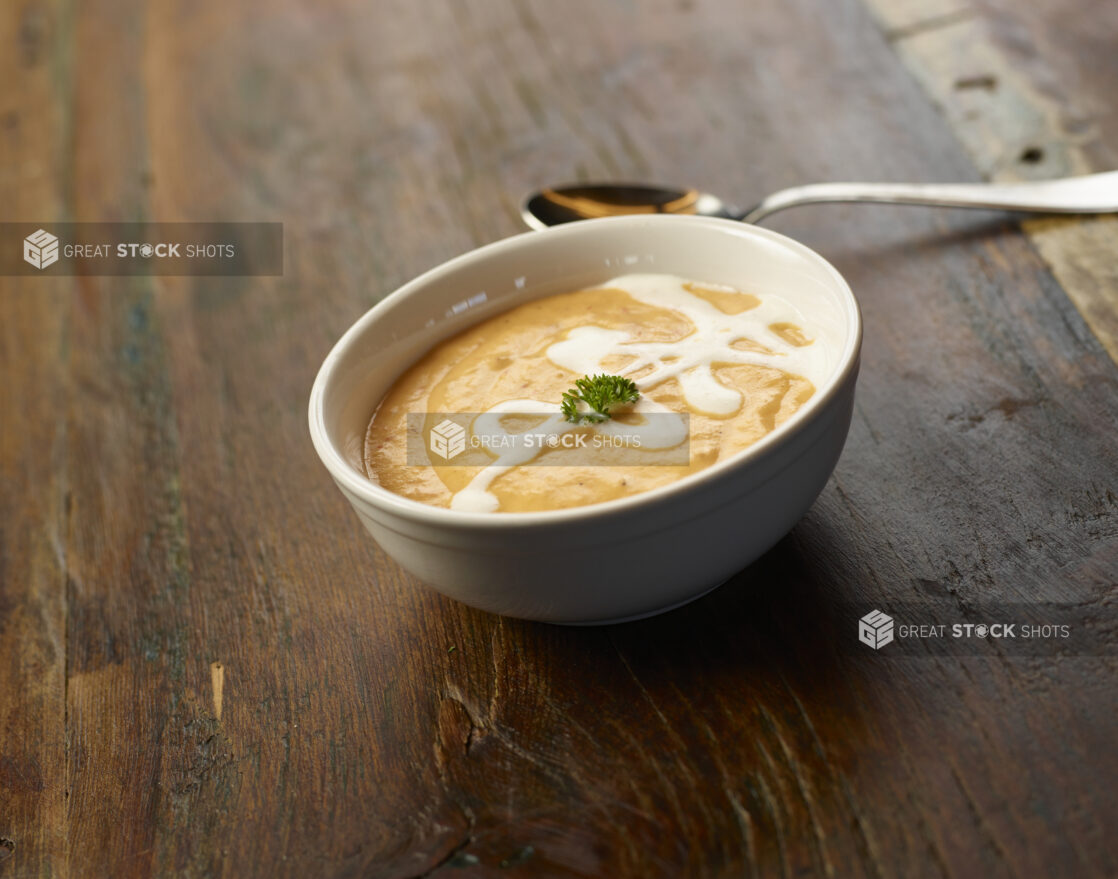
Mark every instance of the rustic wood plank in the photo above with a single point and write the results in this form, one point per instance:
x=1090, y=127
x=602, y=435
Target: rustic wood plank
x=361, y=725
x=1016, y=124
x=34, y=491
x=129, y=714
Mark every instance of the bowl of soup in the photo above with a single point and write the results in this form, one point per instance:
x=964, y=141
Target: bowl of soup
x=441, y=416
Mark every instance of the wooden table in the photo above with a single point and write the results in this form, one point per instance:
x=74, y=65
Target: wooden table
x=208, y=669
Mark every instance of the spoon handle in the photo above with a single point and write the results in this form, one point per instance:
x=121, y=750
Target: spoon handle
x=1091, y=194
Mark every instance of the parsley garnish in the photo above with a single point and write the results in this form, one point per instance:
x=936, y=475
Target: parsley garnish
x=601, y=393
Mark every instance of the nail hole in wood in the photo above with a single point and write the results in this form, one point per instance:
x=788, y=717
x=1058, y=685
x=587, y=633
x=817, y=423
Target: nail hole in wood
x=986, y=81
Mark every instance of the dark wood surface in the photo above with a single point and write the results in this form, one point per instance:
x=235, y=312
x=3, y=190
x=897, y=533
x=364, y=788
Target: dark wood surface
x=206, y=667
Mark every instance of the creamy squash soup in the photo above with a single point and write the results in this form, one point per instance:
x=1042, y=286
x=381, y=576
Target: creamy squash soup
x=594, y=395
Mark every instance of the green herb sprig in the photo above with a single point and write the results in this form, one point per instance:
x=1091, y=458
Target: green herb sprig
x=601, y=393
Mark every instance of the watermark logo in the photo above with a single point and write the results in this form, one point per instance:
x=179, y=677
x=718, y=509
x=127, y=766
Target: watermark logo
x=141, y=248
x=40, y=249
x=538, y=435
x=448, y=439
x=945, y=626
x=875, y=629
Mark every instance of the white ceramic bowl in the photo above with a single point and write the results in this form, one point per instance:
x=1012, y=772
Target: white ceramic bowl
x=625, y=558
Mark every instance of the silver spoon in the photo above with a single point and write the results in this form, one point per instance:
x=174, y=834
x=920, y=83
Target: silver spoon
x=1090, y=194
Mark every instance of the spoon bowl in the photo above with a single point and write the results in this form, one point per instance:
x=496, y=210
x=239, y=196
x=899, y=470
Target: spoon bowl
x=583, y=201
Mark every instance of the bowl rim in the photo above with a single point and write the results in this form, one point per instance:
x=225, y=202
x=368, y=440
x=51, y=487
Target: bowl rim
x=372, y=493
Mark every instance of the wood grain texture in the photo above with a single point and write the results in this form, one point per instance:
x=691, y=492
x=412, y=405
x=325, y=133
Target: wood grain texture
x=208, y=669
x=1017, y=121
x=34, y=497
